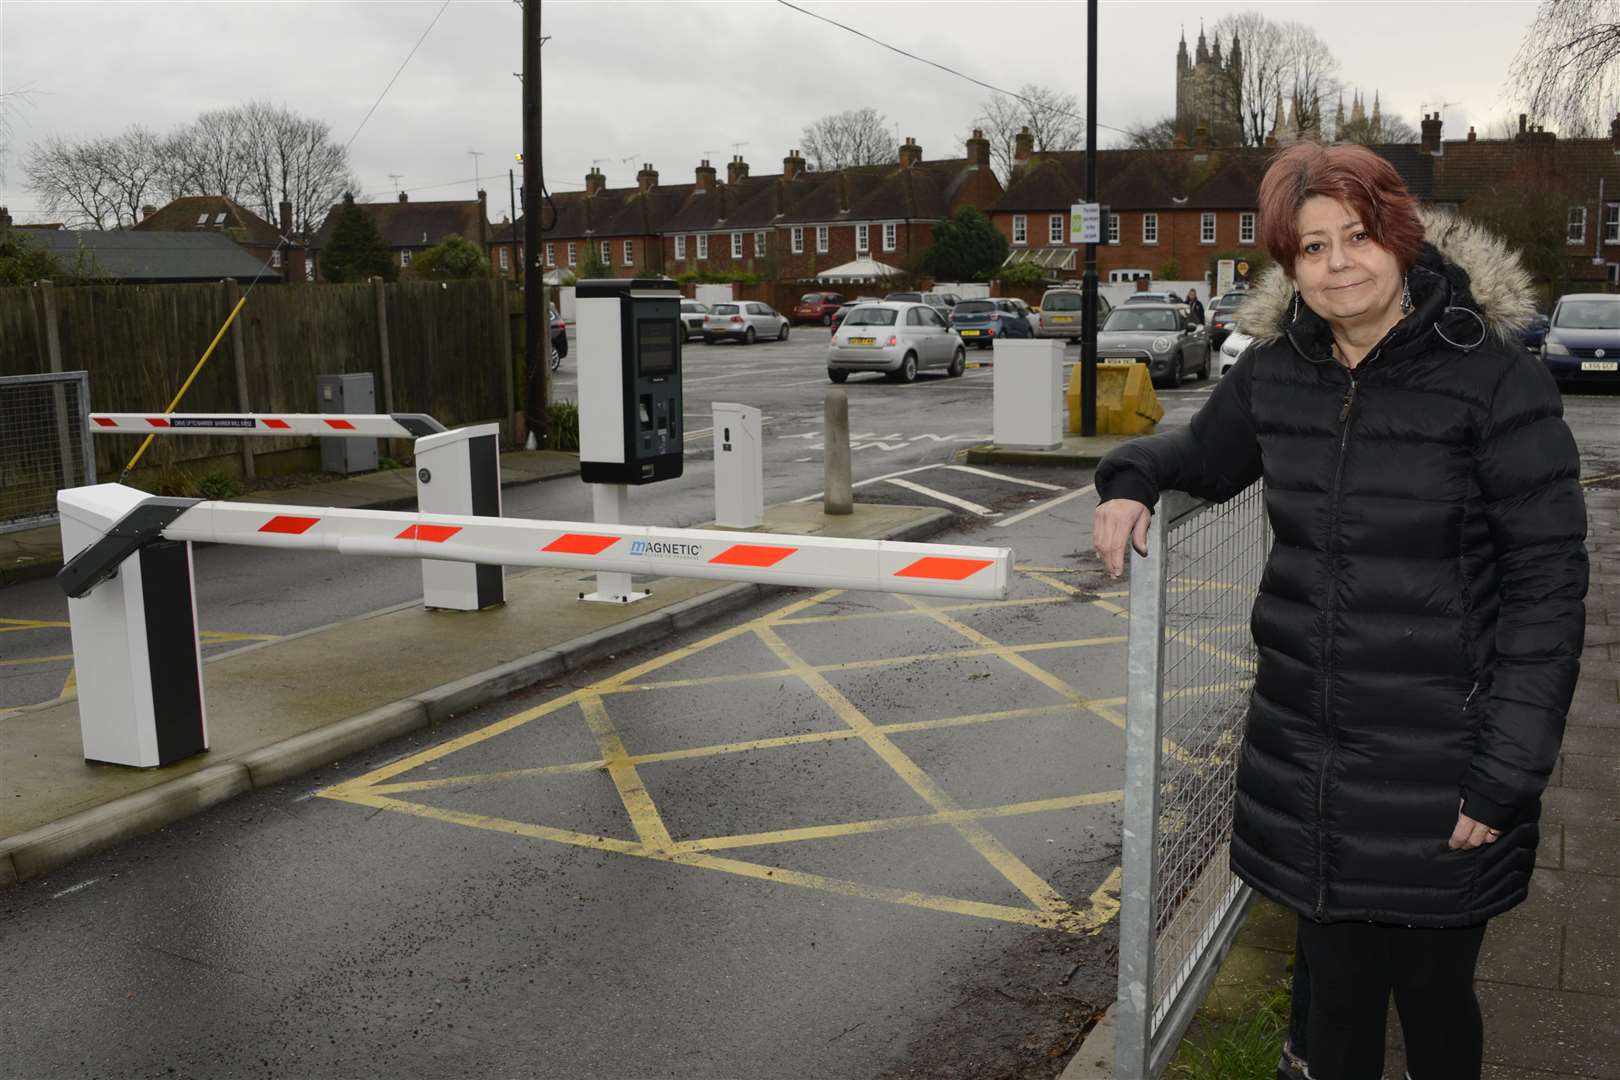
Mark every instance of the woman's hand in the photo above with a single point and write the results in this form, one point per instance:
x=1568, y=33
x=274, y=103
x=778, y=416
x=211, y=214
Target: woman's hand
x=1116, y=521
x=1470, y=833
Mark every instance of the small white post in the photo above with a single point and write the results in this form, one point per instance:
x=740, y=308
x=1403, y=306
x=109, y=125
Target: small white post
x=1027, y=387
x=739, y=467
x=610, y=505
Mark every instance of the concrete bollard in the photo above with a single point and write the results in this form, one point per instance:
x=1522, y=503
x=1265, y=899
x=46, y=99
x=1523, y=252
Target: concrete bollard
x=838, y=496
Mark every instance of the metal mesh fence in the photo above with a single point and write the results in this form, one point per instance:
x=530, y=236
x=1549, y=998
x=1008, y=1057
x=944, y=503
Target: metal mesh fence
x=44, y=444
x=1192, y=663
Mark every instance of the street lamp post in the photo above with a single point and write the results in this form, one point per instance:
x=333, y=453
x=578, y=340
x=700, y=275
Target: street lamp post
x=1088, y=317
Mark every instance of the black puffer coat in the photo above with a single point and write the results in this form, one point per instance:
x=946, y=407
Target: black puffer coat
x=1419, y=622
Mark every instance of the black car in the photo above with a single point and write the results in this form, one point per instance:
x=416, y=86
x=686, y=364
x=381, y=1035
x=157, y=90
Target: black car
x=559, y=335
x=1222, y=314
x=980, y=322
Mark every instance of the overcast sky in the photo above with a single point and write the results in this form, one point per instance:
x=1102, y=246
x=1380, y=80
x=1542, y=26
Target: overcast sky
x=668, y=81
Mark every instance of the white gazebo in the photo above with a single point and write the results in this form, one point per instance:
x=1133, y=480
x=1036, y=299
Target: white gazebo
x=867, y=269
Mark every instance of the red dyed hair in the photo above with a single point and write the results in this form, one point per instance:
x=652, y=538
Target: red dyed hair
x=1353, y=175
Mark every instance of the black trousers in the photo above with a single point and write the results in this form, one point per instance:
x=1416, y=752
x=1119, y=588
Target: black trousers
x=1344, y=974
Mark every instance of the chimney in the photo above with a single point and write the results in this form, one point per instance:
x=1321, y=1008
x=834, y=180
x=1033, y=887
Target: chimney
x=1614, y=133
x=284, y=211
x=910, y=153
x=647, y=178
x=594, y=181
x=1200, y=137
x=1522, y=119
x=1471, y=136
x=705, y=176
x=5, y=218
x=792, y=165
x=404, y=197
x=147, y=211
x=736, y=170
x=1431, y=134
x=843, y=192
x=978, y=150
x=1023, y=146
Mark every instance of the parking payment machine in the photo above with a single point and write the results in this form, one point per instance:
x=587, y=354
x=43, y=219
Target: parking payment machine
x=629, y=348
x=630, y=426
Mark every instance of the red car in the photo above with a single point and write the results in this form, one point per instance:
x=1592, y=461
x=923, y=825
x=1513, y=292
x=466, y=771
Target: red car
x=817, y=307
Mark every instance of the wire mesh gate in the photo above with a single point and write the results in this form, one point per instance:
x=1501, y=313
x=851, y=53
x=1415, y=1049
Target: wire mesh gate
x=44, y=444
x=1192, y=663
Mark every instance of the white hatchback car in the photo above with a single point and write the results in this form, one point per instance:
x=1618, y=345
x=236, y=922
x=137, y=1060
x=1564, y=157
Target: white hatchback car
x=896, y=337
x=1232, y=348
x=743, y=320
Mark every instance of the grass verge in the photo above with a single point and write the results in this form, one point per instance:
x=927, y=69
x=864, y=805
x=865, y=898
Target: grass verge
x=1244, y=1049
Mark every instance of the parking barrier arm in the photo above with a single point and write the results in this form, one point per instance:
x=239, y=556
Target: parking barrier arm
x=320, y=425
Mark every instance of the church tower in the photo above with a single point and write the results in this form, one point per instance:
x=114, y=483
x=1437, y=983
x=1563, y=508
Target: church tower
x=1208, y=90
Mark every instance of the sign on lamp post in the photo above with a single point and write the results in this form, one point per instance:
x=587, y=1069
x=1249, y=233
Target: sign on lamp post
x=1085, y=223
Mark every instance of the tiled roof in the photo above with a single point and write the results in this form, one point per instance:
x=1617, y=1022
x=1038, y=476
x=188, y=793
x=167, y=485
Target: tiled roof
x=415, y=224
x=218, y=214
x=151, y=255
x=1140, y=180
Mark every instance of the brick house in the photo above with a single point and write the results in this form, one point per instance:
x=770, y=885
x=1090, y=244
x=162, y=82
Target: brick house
x=620, y=223
x=218, y=214
x=409, y=228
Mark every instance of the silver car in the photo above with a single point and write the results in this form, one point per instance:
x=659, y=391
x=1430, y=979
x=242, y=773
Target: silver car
x=1162, y=336
x=1062, y=313
x=743, y=320
x=692, y=316
x=896, y=337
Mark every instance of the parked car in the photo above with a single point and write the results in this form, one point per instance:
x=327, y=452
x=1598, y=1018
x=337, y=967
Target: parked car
x=1153, y=298
x=1583, y=339
x=1222, y=316
x=950, y=298
x=745, y=321
x=844, y=309
x=1165, y=337
x=1534, y=334
x=692, y=314
x=559, y=338
x=980, y=322
x=1062, y=311
x=897, y=338
x=933, y=300
x=1232, y=348
x=817, y=307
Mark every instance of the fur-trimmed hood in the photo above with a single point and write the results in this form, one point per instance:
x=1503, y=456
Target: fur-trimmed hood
x=1484, y=276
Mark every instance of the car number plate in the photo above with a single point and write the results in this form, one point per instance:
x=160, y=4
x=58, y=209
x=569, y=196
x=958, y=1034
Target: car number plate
x=862, y=341
x=1600, y=365
x=968, y=333
x=1063, y=318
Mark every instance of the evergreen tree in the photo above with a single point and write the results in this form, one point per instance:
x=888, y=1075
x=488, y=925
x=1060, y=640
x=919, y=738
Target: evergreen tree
x=966, y=247
x=357, y=250
x=451, y=258
x=21, y=263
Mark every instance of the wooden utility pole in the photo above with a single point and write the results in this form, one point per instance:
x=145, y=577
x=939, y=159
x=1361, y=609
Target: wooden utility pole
x=536, y=321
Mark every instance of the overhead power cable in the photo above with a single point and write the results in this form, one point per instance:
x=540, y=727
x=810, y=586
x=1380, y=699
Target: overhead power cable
x=935, y=64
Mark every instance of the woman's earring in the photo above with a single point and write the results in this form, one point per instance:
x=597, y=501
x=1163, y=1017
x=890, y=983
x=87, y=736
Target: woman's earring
x=1406, y=297
x=1296, y=306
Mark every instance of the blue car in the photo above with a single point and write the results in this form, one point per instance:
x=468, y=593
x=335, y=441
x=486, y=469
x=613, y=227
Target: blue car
x=980, y=322
x=1534, y=333
x=1583, y=339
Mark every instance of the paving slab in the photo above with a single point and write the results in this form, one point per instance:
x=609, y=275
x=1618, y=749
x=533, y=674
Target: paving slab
x=1076, y=451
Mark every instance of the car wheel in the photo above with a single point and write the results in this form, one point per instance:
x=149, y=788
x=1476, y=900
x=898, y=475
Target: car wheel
x=782, y=334
x=908, y=368
x=748, y=336
x=1173, y=379
x=837, y=376
x=826, y=320
x=1203, y=372
x=958, y=363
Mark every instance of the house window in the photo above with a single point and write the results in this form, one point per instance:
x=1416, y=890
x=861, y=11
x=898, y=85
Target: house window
x=1246, y=228
x=309, y=267
x=821, y=239
x=404, y=258
x=629, y=253
x=759, y=243
x=1614, y=273
x=680, y=249
x=1120, y=277
x=1577, y=225
x=551, y=255
x=1611, y=223
x=607, y=253
x=1113, y=228
x=1150, y=229
x=1054, y=229
x=703, y=245
x=1206, y=229
x=506, y=259
x=1020, y=229
x=275, y=259
x=571, y=246
x=863, y=238
x=798, y=240
x=889, y=236
x=736, y=245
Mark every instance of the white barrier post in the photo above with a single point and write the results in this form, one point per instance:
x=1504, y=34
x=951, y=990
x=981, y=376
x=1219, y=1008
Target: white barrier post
x=739, y=467
x=135, y=652
x=610, y=505
x=1027, y=387
x=459, y=472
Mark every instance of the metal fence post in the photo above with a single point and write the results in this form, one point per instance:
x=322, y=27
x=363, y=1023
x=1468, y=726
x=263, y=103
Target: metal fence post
x=1138, y=879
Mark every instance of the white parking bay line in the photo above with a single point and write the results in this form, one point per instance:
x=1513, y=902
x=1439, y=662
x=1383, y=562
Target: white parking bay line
x=873, y=480
x=1045, y=506
x=1007, y=479
x=972, y=507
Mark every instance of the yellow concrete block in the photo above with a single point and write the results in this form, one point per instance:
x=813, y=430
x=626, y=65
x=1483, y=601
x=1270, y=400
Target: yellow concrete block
x=1126, y=403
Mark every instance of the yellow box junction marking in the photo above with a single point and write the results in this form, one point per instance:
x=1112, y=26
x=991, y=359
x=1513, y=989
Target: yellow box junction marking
x=379, y=789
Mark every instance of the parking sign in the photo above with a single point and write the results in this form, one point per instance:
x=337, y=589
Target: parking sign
x=1085, y=223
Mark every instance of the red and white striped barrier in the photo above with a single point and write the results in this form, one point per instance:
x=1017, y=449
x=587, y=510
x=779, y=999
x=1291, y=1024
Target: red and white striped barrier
x=325, y=425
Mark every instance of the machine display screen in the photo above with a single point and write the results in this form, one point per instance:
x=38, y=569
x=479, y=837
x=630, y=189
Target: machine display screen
x=657, y=346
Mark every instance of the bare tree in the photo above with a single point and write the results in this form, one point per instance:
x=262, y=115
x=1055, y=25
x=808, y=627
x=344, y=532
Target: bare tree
x=1266, y=73
x=1158, y=135
x=1567, y=70
x=97, y=183
x=208, y=156
x=853, y=137
x=1053, y=118
x=1313, y=74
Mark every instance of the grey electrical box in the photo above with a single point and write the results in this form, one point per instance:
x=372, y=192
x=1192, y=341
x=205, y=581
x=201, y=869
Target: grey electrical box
x=348, y=394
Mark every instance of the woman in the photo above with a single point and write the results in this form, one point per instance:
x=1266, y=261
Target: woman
x=1420, y=619
x=1194, y=308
